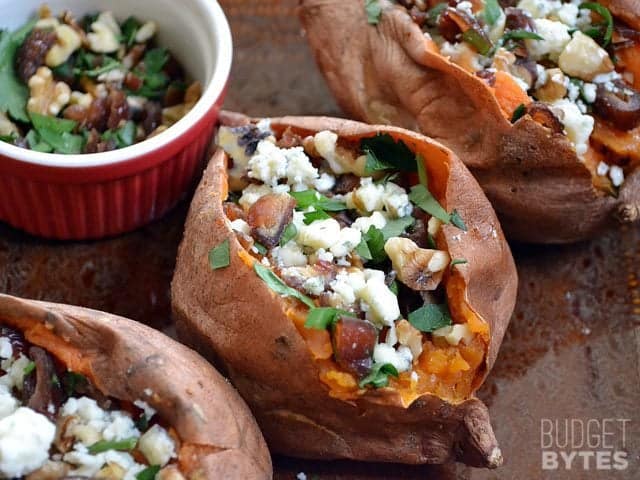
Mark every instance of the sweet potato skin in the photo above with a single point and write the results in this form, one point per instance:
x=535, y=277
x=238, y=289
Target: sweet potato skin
x=387, y=73
x=219, y=437
x=233, y=318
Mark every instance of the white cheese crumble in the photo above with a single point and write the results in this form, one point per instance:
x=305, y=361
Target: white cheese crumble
x=239, y=225
x=616, y=174
x=25, y=439
x=6, y=350
x=453, y=334
x=157, y=446
x=555, y=38
x=577, y=125
x=319, y=234
x=289, y=255
x=376, y=219
x=582, y=57
x=401, y=358
x=384, y=308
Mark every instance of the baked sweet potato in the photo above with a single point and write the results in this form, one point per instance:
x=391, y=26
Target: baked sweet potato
x=114, y=399
x=555, y=150
x=383, y=370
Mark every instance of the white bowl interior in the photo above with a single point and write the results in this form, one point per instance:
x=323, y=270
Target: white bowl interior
x=195, y=31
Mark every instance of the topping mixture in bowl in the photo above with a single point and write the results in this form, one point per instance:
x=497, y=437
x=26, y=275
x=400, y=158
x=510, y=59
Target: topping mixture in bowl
x=54, y=423
x=568, y=64
x=351, y=230
x=88, y=85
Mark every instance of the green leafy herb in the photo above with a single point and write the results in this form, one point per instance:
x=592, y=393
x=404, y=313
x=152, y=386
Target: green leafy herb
x=12, y=137
x=278, y=286
x=36, y=144
x=154, y=79
x=431, y=242
x=434, y=13
x=363, y=250
x=31, y=366
x=125, y=445
x=422, y=171
x=310, y=217
x=374, y=10
x=321, y=318
x=311, y=198
x=72, y=381
x=518, y=113
x=384, y=153
x=290, y=232
x=262, y=250
x=219, y=256
x=375, y=244
x=456, y=220
x=13, y=94
x=394, y=287
x=521, y=35
x=123, y=136
x=396, y=227
x=458, y=261
x=606, y=16
x=142, y=422
x=477, y=40
x=148, y=473
x=129, y=30
x=379, y=375
x=492, y=11
x=56, y=132
x=422, y=197
x=430, y=317
x=108, y=64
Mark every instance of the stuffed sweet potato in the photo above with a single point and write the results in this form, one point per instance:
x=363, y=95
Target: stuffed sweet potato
x=538, y=98
x=355, y=285
x=84, y=394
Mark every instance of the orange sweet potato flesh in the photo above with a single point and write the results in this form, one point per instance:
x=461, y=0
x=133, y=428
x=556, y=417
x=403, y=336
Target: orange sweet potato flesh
x=232, y=317
x=218, y=436
x=387, y=73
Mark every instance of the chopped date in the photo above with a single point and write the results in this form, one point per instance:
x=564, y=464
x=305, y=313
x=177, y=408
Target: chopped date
x=33, y=51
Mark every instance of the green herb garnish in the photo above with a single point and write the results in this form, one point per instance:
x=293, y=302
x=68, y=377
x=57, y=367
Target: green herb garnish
x=456, y=220
x=396, y=227
x=458, y=261
x=129, y=30
x=521, y=35
x=277, y=285
x=394, y=287
x=422, y=197
x=262, y=250
x=13, y=94
x=363, y=250
x=606, y=15
x=375, y=240
x=430, y=317
x=374, y=10
x=31, y=366
x=477, y=40
x=36, y=143
x=310, y=217
x=311, y=198
x=435, y=11
x=148, y=473
x=123, y=136
x=384, y=153
x=72, y=380
x=219, y=256
x=57, y=133
x=125, y=445
x=518, y=113
x=108, y=64
x=492, y=11
x=379, y=375
x=321, y=318
x=290, y=232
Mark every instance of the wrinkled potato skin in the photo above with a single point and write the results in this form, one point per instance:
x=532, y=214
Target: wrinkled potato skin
x=233, y=318
x=219, y=437
x=385, y=74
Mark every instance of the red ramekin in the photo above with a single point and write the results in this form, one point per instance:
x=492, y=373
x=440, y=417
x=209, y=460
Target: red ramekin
x=104, y=194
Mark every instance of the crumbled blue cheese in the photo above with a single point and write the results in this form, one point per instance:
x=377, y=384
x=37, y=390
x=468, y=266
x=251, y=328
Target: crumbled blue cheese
x=14, y=378
x=383, y=304
x=616, y=174
x=376, y=219
x=537, y=8
x=396, y=201
x=401, y=358
x=301, y=174
x=25, y=439
x=268, y=164
x=252, y=193
x=228, y=141
x=462, y=54
x=555, y=38
x=583, y=58
x=289, y=255
x=8, y=403
x=368, y=197
x=602, y=169
x=577, y=125
x=319, y=234
x=348, y=239
x=239, y=225
x=453, y=334
x=348, y=285
x=314, y=285
x=6, y=350
x=157, y=446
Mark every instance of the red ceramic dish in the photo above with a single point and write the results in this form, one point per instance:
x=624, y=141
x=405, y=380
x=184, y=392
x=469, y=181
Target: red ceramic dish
x=104, y=194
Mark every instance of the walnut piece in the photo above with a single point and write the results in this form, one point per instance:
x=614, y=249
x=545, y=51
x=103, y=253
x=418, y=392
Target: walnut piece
x=67, y=42
x=47, y=96
x=105, y=35
x=7, y=127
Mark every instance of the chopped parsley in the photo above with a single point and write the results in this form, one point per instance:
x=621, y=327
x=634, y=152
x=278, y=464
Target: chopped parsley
x=430, y=317
x=276, y=284
x=321, y=318
x=125, y=445
x=378, y=377
x=13, y=94
x=312, y=198
x=219, y=256
x=374, y=10
x=385, y=153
